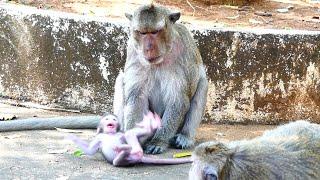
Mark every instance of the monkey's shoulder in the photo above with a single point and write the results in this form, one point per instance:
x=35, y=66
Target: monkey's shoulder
x=182, y=29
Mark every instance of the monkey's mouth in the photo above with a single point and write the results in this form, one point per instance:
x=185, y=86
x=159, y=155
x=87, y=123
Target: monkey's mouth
x=153, y=59
x=110, y=125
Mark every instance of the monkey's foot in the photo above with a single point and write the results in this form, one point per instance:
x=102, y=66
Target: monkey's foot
x=154, y=149
x=180, y=141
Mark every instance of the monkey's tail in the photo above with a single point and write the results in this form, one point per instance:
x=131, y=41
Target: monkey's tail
x=71, y=122
x=165, y=161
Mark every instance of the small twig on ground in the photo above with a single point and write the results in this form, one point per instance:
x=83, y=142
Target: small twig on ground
x=202, y=8
x=263, y=13
x=264, y=20
x=191, y=7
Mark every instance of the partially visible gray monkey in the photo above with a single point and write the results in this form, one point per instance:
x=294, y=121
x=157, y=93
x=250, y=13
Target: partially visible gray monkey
x=164, y=74
x=291, y=151
x=72, y=122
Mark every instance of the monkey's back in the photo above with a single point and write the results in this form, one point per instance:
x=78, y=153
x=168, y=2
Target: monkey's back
x=291, y=151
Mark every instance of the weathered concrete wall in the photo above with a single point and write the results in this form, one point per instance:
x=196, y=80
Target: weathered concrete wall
x=52, y=57
x=71, y=60
x=262, y=76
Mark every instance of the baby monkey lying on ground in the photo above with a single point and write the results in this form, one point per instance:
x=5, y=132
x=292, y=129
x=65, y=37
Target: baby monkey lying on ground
x=123, y=149
x=291, y=151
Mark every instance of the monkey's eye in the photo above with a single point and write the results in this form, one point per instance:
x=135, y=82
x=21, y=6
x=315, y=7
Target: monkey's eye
x=155, y=32
x=141, y=33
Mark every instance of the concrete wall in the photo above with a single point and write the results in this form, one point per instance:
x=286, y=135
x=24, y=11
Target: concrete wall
x=264, y=76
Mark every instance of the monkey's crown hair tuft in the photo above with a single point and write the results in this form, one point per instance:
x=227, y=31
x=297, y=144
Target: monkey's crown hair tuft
x=211, y=147
x=152, y=7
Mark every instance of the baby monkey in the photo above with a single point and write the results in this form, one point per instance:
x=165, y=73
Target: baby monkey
x=123, y=148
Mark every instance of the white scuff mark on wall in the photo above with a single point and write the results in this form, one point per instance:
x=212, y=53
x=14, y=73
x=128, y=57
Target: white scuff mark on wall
x=80, y=96
x=61, y=48
x=18, y=91
x=312, y=74
x=65, y=26
x=84, y=39
x=211, y=97
x=55, y=26
x=264, y=84
x=39, y=94
x=104, y=67
x=78, y=66
x=237, y=107
x=310, y=46
x=281, y=42
x=231, y=52
x=229, y=62
x=22, y=33
x=280, y=86
x=106, y=45
x=261, y=89
x=121, y=45
x=109, y=29
x=1, y=86
x=2, y=36
x=247, y=93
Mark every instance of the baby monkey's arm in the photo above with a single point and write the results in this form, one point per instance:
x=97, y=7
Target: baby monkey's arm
x=89, y=149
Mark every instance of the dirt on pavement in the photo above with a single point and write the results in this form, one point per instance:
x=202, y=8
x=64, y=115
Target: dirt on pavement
x=267, y=14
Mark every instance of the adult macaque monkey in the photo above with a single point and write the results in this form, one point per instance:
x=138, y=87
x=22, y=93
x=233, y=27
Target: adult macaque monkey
x=291, y=151
x=163, y=73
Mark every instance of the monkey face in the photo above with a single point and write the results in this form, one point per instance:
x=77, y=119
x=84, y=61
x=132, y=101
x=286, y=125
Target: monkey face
x=202, y=171
x=109, y=124
x=209, y=158
x=151, y=43
x=152, y=33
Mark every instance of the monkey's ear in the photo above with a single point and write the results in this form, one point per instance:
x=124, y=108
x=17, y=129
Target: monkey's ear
x=128, y=16
x=173, y=17
x=216, y=148
x=211, y=149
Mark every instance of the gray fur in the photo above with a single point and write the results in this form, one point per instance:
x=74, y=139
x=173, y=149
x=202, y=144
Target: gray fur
x=73, y=122
x=118, y=99
x=291, y=151
x=176, y=91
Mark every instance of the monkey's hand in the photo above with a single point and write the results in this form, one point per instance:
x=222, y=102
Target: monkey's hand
x=155, y=148
x=150, y=121
x=181, y=141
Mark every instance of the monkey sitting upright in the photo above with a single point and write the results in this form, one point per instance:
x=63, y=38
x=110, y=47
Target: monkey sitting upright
x=123, y=149
x=164, y=73
x=291, y=151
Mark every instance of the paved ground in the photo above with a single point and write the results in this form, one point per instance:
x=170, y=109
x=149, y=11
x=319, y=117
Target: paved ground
x=46, y=155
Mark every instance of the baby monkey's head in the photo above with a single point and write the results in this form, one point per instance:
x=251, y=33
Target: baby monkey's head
x=108, y=124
